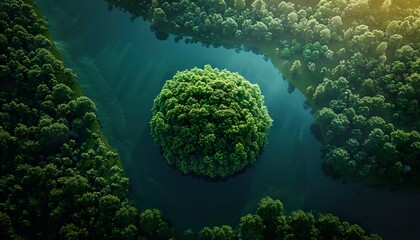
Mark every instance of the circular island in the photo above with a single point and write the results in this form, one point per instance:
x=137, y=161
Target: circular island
x=209, y=122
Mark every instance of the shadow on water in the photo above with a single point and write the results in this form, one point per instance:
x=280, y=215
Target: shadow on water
x=122, y=67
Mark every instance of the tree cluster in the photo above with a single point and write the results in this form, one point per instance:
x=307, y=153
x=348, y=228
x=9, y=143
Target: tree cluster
x=270, y=222
x=357, y=59
x=210, y=122
x=59, y=179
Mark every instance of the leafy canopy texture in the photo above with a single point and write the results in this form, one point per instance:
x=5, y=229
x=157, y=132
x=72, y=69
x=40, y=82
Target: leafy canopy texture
x=210, y=122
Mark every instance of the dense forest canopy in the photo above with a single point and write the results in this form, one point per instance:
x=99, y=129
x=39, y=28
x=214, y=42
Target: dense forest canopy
x=356, y=61
x=210, y=122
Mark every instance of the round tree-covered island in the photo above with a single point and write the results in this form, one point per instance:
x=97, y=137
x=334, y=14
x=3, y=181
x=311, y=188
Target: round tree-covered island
x=209, y=122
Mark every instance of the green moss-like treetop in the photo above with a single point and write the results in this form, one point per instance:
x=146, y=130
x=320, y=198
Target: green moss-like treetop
x=210, y=122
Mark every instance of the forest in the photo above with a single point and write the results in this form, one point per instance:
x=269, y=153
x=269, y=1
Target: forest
x=356, y=61
x=60, y=179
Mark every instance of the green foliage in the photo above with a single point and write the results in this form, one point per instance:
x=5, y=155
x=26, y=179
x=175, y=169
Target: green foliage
x=239, y=5
x=159, y=16
x=302, y=225
x=251, y=227
x=285, y=53
x=330, y=226
x=271, y=223
x=216, y=233
x=61, y=93
x=260, y=31
x=230, y=27
x=269, y=210
x=339, y=158
x=295, y=66
x=153, y=226
x=82, y=105
x=53, y=136
x=210, y=122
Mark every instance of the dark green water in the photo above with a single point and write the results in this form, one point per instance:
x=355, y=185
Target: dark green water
x=122, y=67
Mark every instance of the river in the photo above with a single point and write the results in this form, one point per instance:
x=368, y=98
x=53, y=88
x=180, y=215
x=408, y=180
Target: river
x=121, y=66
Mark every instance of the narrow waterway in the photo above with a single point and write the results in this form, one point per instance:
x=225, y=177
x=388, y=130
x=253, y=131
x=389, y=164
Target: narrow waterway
x=121, y=66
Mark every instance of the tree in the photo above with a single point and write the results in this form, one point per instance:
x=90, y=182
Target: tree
x=153, y=226
x=259, y=7
x=189, y=234
x=381, y=48
x=400, y=137
x=224, y=232
x=336, y=23
x=5, y=226
x=82, y=105
x=284, y=8
x=369, y=87
x=292, y=18
x=329, y=54
x=338, y=126
x=239, y=34
x=330, y=227
x=269, y=210
x=216, y=233
x=376, y=140
x=159, y=17
x=219, y=5
x=405, y=53
x=355, y=232
x=385, y=6
x=205, y=234
x=338, y=158
x=325, y=35
x=295, y=66
x=53, y=136
x=71, y=231
x=286, y=53
x=260, y=31
x=251, y=227
x=77, y=185
x=357, y=8
x=108, y=205
x=311, y=66
x=61, y=93
x=240, y=5
x=129, y=232
x=275, y=26
x=377, y=122
x=325, y=115
x=230, y=27
x=302, y=225
x=5, y=140
x=395, y=40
